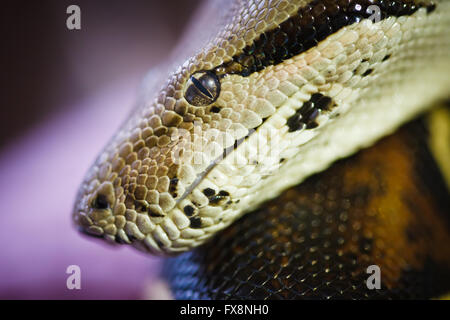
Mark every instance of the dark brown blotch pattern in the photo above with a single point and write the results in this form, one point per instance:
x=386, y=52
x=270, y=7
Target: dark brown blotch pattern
x=312, y=24
x=306, y=115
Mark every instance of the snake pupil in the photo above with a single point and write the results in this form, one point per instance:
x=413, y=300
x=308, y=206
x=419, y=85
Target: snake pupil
x=200, y=87
x=203, y=88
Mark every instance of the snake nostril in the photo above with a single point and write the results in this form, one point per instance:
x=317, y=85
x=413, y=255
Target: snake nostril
x=100, y=202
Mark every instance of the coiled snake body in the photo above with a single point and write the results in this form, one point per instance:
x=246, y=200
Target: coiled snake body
x=259, y=96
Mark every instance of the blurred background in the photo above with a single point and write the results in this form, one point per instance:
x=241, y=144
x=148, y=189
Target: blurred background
x=64, y=93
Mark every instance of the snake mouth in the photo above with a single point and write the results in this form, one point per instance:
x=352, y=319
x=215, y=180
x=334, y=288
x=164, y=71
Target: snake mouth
x=84, y=231
x=112, y=241
x=91, y=230
x=83, y=224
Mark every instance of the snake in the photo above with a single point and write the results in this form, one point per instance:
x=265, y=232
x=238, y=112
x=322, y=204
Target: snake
x=258, y=96
x=386, y=207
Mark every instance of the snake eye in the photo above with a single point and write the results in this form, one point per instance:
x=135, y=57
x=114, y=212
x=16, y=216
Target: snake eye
x=203, y=88
x=100, y=203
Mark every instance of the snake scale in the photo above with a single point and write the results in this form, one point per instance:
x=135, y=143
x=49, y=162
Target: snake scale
x=386, y=206
x=258, y=96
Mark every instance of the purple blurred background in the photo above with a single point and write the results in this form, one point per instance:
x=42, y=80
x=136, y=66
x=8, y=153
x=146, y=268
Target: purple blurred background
x=63, y=95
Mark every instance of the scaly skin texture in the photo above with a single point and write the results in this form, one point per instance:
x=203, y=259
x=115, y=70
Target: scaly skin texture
x=279, y=91
x=386, y=206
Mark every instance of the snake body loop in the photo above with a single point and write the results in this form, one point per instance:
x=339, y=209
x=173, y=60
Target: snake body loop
x=385, y=207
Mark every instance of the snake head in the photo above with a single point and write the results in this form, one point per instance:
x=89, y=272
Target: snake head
x=263, y=97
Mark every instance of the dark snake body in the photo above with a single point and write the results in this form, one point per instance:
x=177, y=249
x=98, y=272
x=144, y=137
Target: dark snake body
x=388, y=205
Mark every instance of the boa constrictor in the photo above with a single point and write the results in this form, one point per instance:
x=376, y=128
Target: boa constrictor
x=258, y=96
